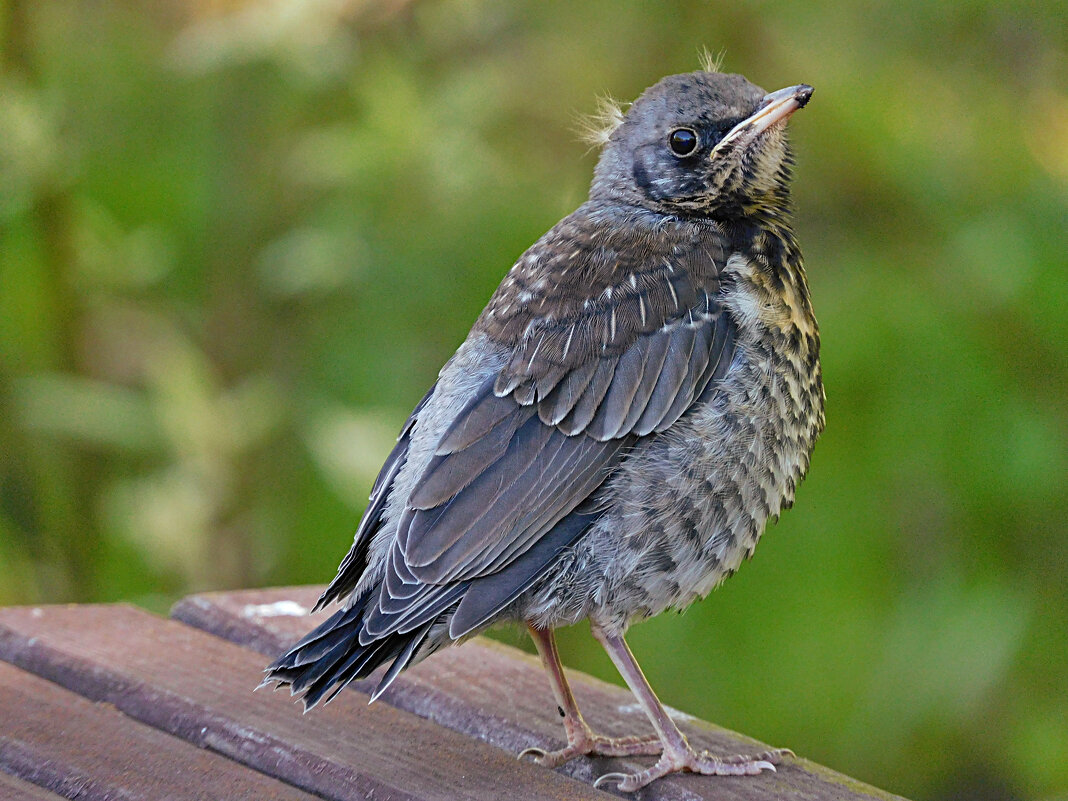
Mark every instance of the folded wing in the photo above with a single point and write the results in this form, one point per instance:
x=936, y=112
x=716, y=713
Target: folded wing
x=536, y=440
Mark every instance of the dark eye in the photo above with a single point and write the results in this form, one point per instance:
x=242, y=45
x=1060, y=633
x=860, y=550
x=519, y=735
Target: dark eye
x=682, y=141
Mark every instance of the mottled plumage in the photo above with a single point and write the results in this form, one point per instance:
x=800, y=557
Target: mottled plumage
x=640, y=395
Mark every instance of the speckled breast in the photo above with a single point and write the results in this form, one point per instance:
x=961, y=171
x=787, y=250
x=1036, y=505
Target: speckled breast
x=738, y=456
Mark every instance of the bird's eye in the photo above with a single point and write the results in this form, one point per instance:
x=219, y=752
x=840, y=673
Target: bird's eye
x=682, y=141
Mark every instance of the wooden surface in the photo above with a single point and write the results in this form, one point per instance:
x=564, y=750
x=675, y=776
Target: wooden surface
x=110, y=702
x=77, y=757
x=12, y=789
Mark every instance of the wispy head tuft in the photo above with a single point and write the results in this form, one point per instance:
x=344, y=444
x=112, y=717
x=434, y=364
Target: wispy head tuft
x=596, y=129
x=710, y=62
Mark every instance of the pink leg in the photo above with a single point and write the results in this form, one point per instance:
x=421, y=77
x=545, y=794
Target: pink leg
x=677, y=754
x=581, y=740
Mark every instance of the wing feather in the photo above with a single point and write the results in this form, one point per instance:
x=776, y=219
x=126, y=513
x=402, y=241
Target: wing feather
x=555, y=407
x=480, y=416
x=585, y=409
x=655, y=356
x=504, y=490
x=449, y=473
x=681, y=339
x=607, y=423
x=491, y=593
x=432, y=532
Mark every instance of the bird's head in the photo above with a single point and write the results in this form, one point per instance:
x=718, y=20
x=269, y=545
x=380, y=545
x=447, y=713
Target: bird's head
x=701, y=144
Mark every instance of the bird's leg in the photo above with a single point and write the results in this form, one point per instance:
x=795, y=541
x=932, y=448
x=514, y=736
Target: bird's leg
x=581, y=740
x=676, y=753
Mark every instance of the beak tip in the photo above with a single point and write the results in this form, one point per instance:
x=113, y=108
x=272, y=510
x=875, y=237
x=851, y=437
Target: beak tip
x=804, y=93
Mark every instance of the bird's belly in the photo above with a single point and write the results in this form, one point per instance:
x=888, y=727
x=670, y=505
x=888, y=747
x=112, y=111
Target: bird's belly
x=688, y=506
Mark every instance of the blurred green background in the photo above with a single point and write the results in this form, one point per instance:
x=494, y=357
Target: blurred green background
x=239, y=238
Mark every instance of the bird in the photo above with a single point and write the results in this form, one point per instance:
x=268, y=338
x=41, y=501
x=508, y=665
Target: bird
x=638, y=399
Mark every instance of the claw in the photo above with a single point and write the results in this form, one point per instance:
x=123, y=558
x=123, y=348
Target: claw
x=583, y=742
x=608, y=778
x=692, y=761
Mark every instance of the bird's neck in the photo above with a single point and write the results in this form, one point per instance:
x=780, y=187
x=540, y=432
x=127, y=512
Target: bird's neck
x=772, y=259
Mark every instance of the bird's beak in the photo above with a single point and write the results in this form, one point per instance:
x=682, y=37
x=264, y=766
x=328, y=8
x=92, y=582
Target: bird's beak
x=778, y=106
x=774, y=108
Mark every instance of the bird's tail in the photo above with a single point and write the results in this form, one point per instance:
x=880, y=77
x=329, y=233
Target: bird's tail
x=328, y=658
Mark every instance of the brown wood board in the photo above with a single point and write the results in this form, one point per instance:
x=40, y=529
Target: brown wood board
x=14, y=789
x=92, y=752
x=199, y=688
x=500, y=695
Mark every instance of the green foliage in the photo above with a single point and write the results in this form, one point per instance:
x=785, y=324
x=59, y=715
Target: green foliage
x=235, y=248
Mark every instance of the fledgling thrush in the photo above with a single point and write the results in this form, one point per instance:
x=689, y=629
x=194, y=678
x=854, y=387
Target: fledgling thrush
x=640, y=396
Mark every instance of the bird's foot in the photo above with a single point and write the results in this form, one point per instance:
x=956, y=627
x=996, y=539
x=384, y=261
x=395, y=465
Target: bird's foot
x=581, y=741
x=687, y=759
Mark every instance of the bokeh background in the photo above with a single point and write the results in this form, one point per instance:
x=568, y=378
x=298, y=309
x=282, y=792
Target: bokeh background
x=239, y=237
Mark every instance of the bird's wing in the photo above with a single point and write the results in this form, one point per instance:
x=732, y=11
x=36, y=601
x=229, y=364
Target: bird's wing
x=610, y=341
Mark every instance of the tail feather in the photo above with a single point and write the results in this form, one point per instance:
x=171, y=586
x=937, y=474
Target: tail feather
x=358, y=665
x=304, y=654
x=374, y=629
x=331, y=656
x=402, y=661
x=326, y=665
x=321, y=639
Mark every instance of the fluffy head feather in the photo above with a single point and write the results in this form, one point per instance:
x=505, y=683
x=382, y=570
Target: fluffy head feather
x=597, y=128
x=709, y=61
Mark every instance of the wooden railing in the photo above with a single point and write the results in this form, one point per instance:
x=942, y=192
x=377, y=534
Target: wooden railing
x=111, y=702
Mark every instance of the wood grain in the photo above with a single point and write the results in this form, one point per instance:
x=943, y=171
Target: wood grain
x=500, y=695
x=199, y=688
x=93, y=752
x=13, y=789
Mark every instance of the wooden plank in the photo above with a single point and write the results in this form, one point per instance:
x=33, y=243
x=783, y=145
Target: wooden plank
x=92, y=752
x=500, y=694
x=199, y=688
x=12, y=789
